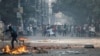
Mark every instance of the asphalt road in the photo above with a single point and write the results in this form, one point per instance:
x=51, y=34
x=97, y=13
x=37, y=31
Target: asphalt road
x=65, y=52
x=60, y=40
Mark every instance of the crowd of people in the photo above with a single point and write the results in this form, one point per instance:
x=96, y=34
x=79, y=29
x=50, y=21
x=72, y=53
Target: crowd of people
x=62, y=30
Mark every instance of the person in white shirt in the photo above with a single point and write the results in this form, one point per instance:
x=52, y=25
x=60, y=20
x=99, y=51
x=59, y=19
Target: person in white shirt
x=91, y=30
x=50, y=32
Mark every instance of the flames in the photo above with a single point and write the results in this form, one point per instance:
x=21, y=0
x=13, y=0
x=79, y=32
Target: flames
x=18, y=50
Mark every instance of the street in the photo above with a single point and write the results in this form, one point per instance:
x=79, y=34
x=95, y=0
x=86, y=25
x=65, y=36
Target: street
x=76, y=44
x=67, y=52
x=59, y=40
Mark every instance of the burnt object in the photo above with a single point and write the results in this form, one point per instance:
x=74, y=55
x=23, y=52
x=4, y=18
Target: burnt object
x=89, y=46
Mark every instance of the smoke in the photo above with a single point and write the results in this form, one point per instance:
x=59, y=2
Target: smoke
x=50, y=1
x=63, y=19
x=53, y=1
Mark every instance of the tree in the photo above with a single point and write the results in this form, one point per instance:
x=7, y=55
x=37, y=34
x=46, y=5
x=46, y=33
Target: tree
x=8, y=11
x=79, y=9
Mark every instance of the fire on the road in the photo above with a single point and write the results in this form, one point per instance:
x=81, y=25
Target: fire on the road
x=18, y=50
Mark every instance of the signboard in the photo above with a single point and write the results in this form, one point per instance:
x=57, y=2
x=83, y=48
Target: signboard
x=19, y=15
x=21, y=9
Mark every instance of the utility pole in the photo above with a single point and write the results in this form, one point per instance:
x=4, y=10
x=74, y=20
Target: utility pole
x=19, y=14
x=50, y=11
x=49, y=5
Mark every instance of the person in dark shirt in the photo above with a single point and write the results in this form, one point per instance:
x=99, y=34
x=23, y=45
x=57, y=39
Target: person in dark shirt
x=13, y=34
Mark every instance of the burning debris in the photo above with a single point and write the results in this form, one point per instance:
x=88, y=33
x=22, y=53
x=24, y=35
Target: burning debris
x=19, y=50
x=23, y=50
